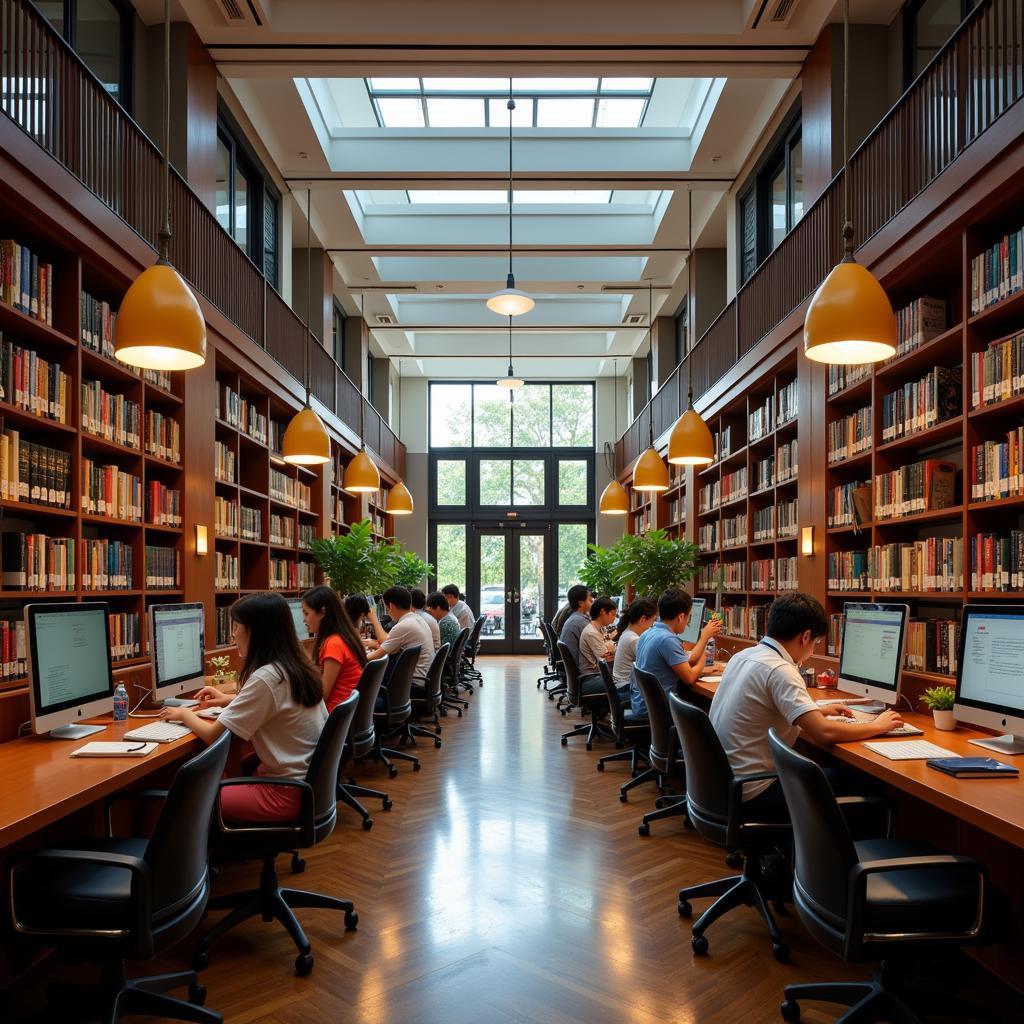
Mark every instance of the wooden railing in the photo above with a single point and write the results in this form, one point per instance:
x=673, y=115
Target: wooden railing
x=52, y=96
x=969, y=83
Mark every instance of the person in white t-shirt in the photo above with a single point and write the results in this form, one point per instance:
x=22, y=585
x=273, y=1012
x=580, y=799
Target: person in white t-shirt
x=409, y=629
x=458, y=607
x=419, y=606
x=279, y=708
x=633, y=623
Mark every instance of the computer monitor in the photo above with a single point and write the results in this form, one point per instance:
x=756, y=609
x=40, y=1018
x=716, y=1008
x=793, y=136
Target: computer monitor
x=69, y=667
x=989, y=675
x=871, y=659
x=176, y=650
x=691, y=634
x=295, y=607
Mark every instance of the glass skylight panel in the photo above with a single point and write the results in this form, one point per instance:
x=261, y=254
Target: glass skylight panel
x=562, y=196
x=458, y=197
x=626, y=84
x=522, y=116
x=395, y=84
x=400, y=112
x=448, y=112
x=564, y=112
x=554, y=85
x=474, y=85
x=620, y=113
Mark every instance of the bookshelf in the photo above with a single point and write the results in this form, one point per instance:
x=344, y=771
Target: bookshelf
x=351, y=508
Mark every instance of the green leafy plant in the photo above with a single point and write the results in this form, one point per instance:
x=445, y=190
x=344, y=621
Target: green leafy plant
x=653, y=563
x=939, y=698
x=408, y=569
x=352, y=562
x=601, y=572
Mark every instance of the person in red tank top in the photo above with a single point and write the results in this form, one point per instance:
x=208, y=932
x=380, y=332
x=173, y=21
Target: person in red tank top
x=337, y=648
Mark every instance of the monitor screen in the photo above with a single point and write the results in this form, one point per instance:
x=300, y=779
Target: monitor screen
x=177, y=643
x=69, y=647
x=691, y=634
x=295, y=607
x=991, y=654
x=872, y=646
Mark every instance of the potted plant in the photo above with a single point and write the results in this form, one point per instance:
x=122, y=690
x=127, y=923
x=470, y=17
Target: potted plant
x=601, y=572
x=221, y=675
x=653, y=563
x=352, y=562
x=407, y=568
x=940, y=699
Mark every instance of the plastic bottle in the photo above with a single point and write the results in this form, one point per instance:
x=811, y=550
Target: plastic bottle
x=120, y=703
x=709, y=653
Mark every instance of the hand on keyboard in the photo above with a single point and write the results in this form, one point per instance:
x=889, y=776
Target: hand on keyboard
x=158, y=732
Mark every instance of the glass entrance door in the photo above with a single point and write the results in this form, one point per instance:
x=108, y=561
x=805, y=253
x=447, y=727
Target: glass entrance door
x=511, y=570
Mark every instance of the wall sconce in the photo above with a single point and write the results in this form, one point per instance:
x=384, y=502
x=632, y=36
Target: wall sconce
x=807, y=541
x=202, y=546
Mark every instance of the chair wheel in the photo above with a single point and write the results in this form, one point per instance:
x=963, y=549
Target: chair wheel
x=590, y=746
x=700, y=945
x=367, y=824
x=460, y=712
x=644, y=829
x=416, y=766
x=565, y=742
x=781, y=952
x=304, y=965
x=685, y=910
x=734, y=859
x=298, y=864
x=392, y=772
x=437, y=744
x=790, y=1011
x=200, y=960
x=624, y=797
x=600, y=766
x=351, y=921
x=388, y=803
x=197, y=994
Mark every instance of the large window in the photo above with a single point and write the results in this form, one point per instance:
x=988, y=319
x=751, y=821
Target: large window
x=247, y=204
x=100, y=32
x=928, y=25
x=771, y=203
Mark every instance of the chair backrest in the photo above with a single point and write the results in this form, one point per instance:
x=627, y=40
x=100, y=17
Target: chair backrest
x=572, y=673
x=615, y=708
x=400, y=683
x=361, y=733
x=177, y=850
x=474, y=636
x=663, y=735
x=322, y=774
x=708, y=772
x=556, y=655
x=452, y=668
x=434, y=674
x=824, y=849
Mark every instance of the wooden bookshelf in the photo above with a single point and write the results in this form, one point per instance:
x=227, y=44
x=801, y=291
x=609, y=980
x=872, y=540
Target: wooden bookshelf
x=349, y=508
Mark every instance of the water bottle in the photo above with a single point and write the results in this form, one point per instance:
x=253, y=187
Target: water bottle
x=120, y=703
x=709, y=653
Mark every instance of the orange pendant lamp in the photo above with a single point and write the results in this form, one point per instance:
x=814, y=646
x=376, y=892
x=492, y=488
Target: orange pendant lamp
x=361, y=475
x=850, y=318
x=160, y=325
x=650, y=472
x=399, y=501
x=614, y=499
x=306, y=441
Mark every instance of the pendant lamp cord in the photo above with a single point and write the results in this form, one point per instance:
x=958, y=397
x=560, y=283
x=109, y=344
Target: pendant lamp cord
x=510, y=345
x=309, y=288
x=165, y=230
x=362, y=326
x=511, y=107
x=650, y=354
x=847, y=224
x=689, y=290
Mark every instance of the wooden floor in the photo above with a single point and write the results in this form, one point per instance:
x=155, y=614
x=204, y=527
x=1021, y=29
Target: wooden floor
x=508, y=884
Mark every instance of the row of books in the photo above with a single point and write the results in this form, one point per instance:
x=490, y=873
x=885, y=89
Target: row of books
x=33, y=472
x=849, y=504
x=225, y=517
x=997, y=561
x=98, y=321
x=26, y=281
x=290, y=491
x=125, y=639
x=919, y=322
x=224, y=626
x=163, y=436
x=786, y=462
x=734, y=531
x=842, y=377
x=997, y=467
x=747, y=622
x=787, y=519
x=920, y=404
x=997, y=373
x=676, y=514
x=707, y=536
x=764, y=524
x=788, y=404
x=997, y=271
x=282, y=530
x=36, y=561
x=770, y=574
x=110, y=491
x=163, y=568
x=761, y=421
x=239, y=412
x=723, y=443
x=289, y=575
x=849, y=435
x=732, y=574
x=764, y=474
x=106, y=564
x=924, y=486
x=848, y=571
x=307, y=532
x=276, y=438
x=223, y=463
x=642, y=522
x=250, y=523
x=731, y=487
x=735, y=620
x=29, y=382
x=932, y=564
x=931, y=644
x=163, y=505
x=13, y=657
x=112, y=417
x=158, y=378
x=227, y=573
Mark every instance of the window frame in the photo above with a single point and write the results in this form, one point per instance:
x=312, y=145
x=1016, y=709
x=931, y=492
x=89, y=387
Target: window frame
x=338, y=324
x=911, y=9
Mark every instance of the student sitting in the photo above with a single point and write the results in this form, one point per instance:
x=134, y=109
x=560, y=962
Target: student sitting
x=762, y=689
x=363, y=615
x=447, y=625
x=660, y=651
x=337, y=649
x=633, y=623
x=595, y=646
x=458, y=607
x=580, y=600
x=409, y=629
x=279, y=707
x=419, y=606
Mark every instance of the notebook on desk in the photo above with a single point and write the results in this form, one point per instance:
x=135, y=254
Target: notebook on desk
x=114, y=749
x=974, y=768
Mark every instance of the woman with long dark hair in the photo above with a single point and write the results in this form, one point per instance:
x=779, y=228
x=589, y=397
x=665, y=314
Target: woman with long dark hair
x=279, y=707
x=633, y=623
x=337, y=648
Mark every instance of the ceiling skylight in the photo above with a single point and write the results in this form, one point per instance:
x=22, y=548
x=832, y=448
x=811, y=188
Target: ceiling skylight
x=481, y=102
x=500, y=197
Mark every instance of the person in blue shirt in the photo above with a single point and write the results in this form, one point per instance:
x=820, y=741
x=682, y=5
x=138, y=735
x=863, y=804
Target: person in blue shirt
x=660, y=651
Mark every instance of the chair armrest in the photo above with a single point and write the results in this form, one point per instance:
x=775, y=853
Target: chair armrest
x=867, y=803
x=139, y=894
x=137, y=794
x=735, y=819
x=306, y=809
x=861, y=872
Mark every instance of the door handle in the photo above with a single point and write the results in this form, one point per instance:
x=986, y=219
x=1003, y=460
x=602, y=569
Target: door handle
x=515, y=597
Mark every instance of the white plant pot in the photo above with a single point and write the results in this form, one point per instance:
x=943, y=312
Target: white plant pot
x=944, y=720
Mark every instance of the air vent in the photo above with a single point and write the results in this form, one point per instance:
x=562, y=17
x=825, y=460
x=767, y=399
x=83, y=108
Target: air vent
x=783, y=9
x=635, y=320
x=242, y=12
x=385, y=320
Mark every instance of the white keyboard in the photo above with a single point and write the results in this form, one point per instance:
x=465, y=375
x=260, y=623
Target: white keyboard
x=158, y=732
x=904, y=730
x=913, y=750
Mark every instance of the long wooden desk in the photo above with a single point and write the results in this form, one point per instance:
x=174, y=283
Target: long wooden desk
x=40, y=782
x=994, y=805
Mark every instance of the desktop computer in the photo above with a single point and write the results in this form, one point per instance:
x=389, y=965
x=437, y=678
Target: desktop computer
x=176, y=650
x=990, y=674
x=691, y=634
x=70, y=672
x=295, y=607
x=871, y=658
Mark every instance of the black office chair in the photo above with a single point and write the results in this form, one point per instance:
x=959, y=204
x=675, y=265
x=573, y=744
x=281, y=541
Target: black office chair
x=467, y=668
x=451, y=701
x=550, y=673
x=665, y=758
x=361, y=738
x=392, y=719
x=556, y=663
x=315, y=822
x=629, y=729
x=593, y=702
x=882, y=900
x=714, y=803
x=115, y=899
x=426, y=699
